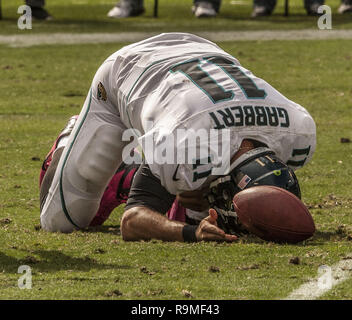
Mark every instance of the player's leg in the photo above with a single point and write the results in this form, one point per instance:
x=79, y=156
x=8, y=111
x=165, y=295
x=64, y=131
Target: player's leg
x=60, y=141
x=47, y=176
x=88, y=161
x=312, y=6
x=345, y=7
x=263, y=8
x=38, y=11
x=205, y=8
x=116, y=192
x=127, y=8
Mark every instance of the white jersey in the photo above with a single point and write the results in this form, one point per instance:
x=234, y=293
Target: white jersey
x=179, y=81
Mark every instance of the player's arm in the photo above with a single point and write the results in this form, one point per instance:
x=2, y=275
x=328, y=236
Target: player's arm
x=144, y=217
x=142, y=223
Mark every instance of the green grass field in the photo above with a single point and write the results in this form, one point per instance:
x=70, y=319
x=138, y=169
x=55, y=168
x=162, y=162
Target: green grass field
x=44, y=85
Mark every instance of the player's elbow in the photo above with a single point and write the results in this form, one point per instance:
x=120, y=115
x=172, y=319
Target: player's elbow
x=128, y=226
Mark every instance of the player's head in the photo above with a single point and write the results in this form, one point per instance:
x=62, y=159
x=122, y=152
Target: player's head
x=256, y=167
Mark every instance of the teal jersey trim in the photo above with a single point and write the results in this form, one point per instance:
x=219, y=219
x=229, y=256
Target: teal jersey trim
x=63, y=204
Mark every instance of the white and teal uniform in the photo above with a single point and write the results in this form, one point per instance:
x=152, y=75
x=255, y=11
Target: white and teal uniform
x=157, y=87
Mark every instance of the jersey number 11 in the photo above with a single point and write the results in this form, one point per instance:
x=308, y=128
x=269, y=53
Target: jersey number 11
x=192, y=69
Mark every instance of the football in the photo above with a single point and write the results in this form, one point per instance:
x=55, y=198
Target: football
x=273, y=214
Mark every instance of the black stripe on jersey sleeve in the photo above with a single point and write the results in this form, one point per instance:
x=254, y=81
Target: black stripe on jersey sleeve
x=147, y=191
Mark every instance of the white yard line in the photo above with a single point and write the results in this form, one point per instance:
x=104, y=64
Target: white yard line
x=317, y=287
x=24, y=40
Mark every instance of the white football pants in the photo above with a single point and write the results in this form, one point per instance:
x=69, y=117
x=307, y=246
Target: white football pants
x=89, y=160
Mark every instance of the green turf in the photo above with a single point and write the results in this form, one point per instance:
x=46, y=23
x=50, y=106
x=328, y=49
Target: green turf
x=90, y=16
x=42, y=86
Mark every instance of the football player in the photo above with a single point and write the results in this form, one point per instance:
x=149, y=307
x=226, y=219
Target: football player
x=164, y=90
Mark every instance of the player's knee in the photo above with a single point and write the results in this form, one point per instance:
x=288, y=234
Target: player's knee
x=78, y=214
x=56, y=223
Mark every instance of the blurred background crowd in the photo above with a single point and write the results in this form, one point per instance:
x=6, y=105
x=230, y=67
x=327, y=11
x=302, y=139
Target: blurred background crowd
x=200, y=8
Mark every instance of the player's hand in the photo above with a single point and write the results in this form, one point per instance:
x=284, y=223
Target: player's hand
x=209, y=231
x=194, y=200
